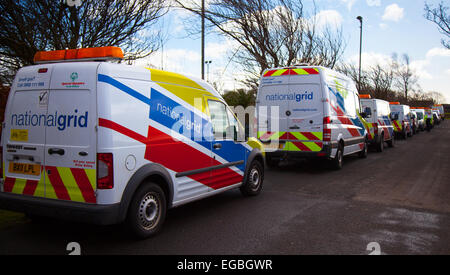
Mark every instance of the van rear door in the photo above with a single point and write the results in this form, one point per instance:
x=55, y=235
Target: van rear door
x=71, y=140
x=273, y=111
x=24, y=132
x=305, y=120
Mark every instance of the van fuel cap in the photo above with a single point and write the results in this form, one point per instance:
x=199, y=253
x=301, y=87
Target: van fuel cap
x=288, y=113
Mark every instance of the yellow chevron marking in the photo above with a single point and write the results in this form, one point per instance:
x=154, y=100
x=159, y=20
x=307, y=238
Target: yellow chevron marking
x=19, y=185
x=71, y=185
x=49, y=190
x=92, y=176
x=279, y=72
x=312, y=146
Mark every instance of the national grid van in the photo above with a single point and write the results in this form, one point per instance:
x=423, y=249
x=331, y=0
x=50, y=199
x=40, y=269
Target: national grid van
x=309, y=112
x=379, y=125
x=98, y=142
x=400, y=115
x=420, y=117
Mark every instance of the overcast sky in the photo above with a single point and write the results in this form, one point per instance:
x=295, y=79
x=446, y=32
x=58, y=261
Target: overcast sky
x=389, y=27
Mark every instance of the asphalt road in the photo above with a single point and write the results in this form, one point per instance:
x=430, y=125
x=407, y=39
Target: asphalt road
x=399, y=198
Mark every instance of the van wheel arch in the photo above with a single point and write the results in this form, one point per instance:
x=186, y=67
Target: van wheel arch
x=152, y=172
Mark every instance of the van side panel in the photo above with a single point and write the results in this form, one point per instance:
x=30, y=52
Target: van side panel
x=347, y=124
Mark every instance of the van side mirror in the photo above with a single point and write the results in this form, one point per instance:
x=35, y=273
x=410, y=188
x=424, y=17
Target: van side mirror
x=364, y=115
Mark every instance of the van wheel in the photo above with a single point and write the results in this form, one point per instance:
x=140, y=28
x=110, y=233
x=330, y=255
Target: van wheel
x=380, y=145
x=147, y=211
x=255, y=177
x=365, y=151
x=338, y=160
x=391, y=142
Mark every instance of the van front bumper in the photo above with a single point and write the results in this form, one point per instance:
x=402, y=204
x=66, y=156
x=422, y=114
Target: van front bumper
x=64, y=210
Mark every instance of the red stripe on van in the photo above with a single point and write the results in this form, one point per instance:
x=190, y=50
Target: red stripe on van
x=9, y=184
x=311, y=71
x=84, y=184
x=162, y=145
x=57, y=183
x=269, y=73
x=119, y=128
x=30, y=187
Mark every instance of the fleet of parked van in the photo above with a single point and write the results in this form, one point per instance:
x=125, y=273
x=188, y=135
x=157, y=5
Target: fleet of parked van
x=93, y=141
x=310, y=112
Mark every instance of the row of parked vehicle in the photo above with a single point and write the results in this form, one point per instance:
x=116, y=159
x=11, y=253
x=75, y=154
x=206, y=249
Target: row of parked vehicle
x=315, y=112
x=89, y=140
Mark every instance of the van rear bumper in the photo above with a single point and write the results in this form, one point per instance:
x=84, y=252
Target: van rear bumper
x=324, y=153
x=65, y=210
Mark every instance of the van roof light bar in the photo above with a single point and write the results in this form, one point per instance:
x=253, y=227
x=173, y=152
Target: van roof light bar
x=84, y=54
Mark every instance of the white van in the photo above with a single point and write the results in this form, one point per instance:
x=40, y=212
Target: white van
x=106, y=143
x=420, y=117
x=309, y=111
x=440, y=109
x=380, y=129
x=401, y=119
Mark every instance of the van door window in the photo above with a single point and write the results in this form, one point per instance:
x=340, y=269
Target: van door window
x=219, y=118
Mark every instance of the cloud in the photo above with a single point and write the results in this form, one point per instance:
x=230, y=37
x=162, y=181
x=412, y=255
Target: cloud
x=371, y=59
x=328, y=17
x=442, y=52
x=372, y=3
x=393, y=13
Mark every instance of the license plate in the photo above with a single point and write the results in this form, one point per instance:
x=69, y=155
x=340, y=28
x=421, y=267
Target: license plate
x=25, y=168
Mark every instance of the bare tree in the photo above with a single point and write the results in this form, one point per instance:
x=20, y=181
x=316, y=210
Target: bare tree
x=382, y=79
x=29, y=26
x=352, y=71
x=406, y=77
x=271, y=33
x=441, y=18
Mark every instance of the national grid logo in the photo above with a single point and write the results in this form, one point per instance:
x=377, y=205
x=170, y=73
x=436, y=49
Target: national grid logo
x=298, y=97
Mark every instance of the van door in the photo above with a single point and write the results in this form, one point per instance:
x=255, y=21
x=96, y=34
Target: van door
x=70, y=150
x=305, y=117
x=24, y=141
x=228, y=154
x=273, y=112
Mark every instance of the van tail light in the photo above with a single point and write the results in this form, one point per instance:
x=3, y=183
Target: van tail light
x=326, y=129
x=105, y=171
x=375, y=127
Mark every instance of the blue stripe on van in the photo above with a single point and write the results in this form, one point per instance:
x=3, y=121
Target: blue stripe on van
x=123, y=87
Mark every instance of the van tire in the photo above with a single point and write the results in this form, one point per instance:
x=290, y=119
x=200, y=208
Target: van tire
x=147, y=211
x=338, y=161
x=254, y=180
x=380, y=145
x=391, y=142
x=363, y=154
